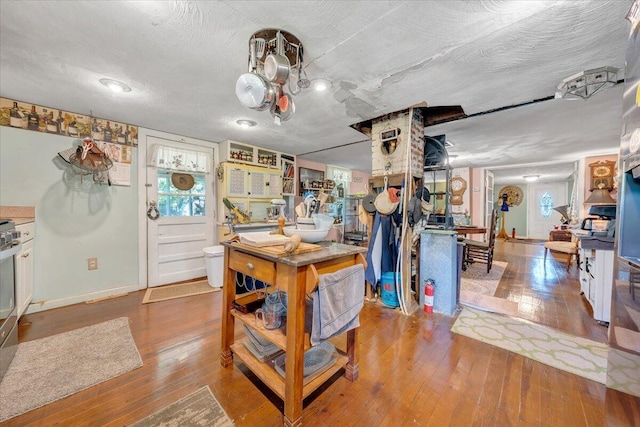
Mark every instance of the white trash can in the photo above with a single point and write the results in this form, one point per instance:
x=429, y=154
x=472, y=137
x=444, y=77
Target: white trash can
x=214, y=260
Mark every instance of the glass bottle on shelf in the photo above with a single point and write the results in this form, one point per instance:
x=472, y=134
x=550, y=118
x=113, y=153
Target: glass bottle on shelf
x=120, y=135
x=95, y=130
x=15, y=117
x=72, y=130
x=59, y=123
x=34, y=119
x=52, y=125
x=44, y=119
x=108, y=133
x=126, y=136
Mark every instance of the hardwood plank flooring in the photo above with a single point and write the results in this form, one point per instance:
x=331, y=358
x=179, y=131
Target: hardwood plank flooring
x=413, y=369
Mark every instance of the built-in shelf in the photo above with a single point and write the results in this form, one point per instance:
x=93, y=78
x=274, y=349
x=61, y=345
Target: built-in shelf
x=272, y=379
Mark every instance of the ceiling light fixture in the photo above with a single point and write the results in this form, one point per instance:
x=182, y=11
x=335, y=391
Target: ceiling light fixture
x=320, y=85
x=115, y=85
x=246, y=124
x=275, y=56
x=531, y=178
x=587, y=83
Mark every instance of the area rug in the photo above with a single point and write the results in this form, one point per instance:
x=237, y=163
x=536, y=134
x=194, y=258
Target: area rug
x=51, y=368
x=488, y=303
x=476, y=279
x=200, y=408
x=163, y=293
x=572, y=354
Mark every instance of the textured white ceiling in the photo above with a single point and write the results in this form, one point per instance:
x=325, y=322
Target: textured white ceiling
x=182, y=60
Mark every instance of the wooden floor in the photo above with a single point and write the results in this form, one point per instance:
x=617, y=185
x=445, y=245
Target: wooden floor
x=413, y=370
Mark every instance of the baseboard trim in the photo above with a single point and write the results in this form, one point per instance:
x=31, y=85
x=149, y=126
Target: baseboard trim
x=35, y=307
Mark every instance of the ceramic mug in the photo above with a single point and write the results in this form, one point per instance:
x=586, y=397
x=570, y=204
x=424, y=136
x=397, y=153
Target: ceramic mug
x=271, y=318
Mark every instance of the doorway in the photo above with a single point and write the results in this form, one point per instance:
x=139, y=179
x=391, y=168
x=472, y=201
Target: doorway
x=540, y=214
x=180, y=208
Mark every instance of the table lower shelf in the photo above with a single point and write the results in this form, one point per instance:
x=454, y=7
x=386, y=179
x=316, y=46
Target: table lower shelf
x=272, y=379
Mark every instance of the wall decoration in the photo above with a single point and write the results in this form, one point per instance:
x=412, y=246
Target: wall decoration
x=458, y=187
x=54, y=121
x=514, y=194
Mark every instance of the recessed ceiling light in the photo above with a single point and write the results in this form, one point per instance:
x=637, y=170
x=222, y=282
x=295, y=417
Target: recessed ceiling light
x=320, y=84
x=115, y=86
x=246, y=124
x=531, y=178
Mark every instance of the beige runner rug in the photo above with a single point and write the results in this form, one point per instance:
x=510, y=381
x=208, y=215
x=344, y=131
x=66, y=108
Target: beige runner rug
x=569, y=353
x=490, y=303
x=200, y=408
x=163, y=293
x=51, y=368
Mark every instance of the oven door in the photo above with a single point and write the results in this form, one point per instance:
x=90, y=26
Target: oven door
x=8, y=311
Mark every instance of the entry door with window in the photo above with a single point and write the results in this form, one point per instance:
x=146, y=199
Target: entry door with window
x=180, y=219
x=541, y=216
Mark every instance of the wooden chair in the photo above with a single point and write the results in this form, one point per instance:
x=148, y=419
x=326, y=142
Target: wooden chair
x=482, y=251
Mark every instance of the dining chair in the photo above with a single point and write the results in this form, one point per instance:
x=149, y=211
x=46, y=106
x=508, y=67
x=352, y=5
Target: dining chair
x=482, y=251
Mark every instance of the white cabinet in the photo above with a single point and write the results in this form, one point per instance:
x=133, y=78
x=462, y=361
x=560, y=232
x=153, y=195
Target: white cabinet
x=596, y=280
x=251, y=182
x=24, y=267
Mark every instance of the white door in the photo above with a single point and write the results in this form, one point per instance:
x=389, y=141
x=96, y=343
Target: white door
x=184, y=223
x=542, y=199
x=489, y=200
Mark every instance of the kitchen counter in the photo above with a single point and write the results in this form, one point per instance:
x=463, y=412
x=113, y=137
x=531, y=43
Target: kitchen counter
x=593, y=242
x=18, y=214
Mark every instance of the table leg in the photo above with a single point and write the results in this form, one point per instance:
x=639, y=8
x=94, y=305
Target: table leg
x=351, y=370
x=228, y=325
x=295, y=342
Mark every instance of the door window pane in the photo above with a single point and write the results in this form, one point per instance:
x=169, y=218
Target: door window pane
x=546, y=205
x=174, y=202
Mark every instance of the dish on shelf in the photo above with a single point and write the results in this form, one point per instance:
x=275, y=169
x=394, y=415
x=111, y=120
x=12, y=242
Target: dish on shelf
x=316, y=359
x=308, y=236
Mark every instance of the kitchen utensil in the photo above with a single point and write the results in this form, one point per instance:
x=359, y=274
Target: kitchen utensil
x=277, y=65
x=308, y=236
x=309, y=203
x=300, y=212
x=383, y=201
x=271, y=318
x=255, y=92
x=368, y=203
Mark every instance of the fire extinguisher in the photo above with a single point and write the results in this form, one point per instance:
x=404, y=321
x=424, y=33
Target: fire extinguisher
x=429, y=290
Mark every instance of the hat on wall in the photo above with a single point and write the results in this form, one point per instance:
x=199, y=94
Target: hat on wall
x=182, y=181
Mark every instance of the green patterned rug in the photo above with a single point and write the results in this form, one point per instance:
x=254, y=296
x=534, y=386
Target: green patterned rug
x=572, y=354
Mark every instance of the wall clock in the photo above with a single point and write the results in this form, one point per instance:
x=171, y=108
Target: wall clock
x=602, y=174
x=458, y=187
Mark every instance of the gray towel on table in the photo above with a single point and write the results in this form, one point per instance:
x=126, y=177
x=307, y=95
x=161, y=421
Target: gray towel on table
x=337, y=303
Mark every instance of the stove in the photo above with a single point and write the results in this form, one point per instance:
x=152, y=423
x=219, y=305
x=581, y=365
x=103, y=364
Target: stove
x=9, y=252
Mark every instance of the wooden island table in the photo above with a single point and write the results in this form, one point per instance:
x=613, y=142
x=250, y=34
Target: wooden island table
x=297, y=275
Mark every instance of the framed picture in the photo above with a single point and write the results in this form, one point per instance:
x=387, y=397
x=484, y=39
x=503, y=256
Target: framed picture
x=310, y=179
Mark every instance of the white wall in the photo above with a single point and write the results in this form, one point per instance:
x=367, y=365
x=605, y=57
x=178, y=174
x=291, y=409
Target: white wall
x=74, y=220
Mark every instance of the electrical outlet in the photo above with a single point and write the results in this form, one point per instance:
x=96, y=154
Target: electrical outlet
x=92, y=263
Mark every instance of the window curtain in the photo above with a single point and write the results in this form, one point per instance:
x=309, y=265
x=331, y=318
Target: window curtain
x=179, y=159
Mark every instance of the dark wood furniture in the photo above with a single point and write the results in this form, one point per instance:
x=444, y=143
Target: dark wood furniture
x=560, y=235
x=297, y=275
x=482, y=251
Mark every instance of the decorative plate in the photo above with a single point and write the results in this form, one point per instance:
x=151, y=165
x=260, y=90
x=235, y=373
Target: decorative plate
x=514, y=194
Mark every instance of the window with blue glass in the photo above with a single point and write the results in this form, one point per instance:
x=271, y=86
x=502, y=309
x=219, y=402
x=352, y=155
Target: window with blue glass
x=546, y=205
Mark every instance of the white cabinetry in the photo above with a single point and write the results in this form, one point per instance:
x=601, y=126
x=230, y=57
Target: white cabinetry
x=24, y=267
x=596, y=280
